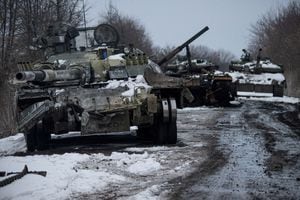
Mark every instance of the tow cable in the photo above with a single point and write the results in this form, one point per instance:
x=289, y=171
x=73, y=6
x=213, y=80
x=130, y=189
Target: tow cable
x=18, y=175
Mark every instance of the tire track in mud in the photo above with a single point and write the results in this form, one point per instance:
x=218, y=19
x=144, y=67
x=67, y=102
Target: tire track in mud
x=278, y=158
x=249, y=157
x=215, y=158
x=215, y=161
x=276, y=123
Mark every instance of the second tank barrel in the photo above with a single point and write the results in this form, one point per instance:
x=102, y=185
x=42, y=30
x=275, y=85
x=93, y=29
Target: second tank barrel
x=173, y=53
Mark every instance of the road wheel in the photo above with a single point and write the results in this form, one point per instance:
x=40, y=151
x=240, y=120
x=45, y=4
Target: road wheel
x=165, y=123
x=43, y=134
x=160, y=126
x=161, y=132
x=172, y=126
x=30, y=139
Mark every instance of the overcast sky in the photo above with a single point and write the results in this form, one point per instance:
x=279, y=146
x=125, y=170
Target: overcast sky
x=171, y=22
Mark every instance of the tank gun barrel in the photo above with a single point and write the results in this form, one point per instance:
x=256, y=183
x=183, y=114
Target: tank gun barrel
x=173, y=53
x=49, y=75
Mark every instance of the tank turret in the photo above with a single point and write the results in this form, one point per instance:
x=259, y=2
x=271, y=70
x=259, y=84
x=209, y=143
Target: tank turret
x=96, y=91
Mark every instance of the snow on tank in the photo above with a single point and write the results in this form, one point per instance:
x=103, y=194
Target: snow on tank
x=268, y=73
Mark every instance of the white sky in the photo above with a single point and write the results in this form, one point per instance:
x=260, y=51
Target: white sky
x=171, y=22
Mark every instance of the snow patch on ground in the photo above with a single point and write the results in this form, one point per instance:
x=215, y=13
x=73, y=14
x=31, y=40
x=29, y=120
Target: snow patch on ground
x=204, y=108
x=12, y=144
x=151, y=149
x=144, y=167
x=255, y=94
x=148, y=194
x=60, y=182
x=72, y=173
x=283, y=99
x=140, y=164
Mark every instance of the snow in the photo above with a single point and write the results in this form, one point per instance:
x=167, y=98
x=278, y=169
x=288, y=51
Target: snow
x=117, y=57
x=152, y=149
x=148, y=194
x=264, y=78
x=61, y=62
x=198, y=62
x=134, y=85
x=66, y=135
x=12, y=144
x=268, y=64
x=255, y=94
x=274, y=73
x=283, y=99
x=60, y=181
x=145, y=167
x=73, y=173
x=217, y=72
x=59, y=91
x=183, y=110
x=263, y=64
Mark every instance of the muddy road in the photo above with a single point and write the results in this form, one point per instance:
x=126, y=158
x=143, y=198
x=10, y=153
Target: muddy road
x=252, y=153
x=249, y=151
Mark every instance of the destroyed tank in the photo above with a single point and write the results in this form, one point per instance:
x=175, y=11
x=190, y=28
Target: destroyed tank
x=258, y=77
x=212, y=87
x=94, y=91
x=205, y=87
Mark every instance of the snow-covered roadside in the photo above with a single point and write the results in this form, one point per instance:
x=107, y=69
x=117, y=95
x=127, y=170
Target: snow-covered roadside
x=134, y=173
x=12, y=144
x=283, y=99
x=71, y=175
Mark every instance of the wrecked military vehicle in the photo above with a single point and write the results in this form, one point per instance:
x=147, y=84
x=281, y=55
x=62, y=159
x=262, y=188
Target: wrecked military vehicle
x=94, y=91
x=205, y=87
x=257, y=77
x=212, y=87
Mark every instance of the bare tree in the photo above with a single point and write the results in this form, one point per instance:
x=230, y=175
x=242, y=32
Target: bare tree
x=130, y=30
x=159, y=52
x=20, y=21
x=278, y=34
x=8, y=29
x=8, y=24
x=37, y=15
x=221, y=57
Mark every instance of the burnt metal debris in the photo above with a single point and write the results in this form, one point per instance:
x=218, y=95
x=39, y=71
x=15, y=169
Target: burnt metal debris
x=199, y=80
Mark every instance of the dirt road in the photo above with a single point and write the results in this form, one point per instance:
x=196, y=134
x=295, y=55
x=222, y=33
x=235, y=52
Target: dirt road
x=253, y=153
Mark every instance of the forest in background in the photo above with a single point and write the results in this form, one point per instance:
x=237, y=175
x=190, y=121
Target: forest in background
x=278, y=33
